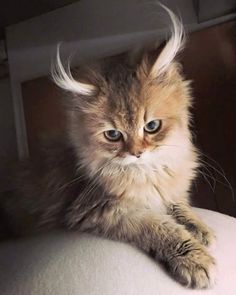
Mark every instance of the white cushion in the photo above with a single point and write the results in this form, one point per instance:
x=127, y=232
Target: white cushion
x=66, y=263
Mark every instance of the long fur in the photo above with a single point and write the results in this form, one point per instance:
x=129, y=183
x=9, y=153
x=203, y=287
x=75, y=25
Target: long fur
x=172, y=47
x=135, y=189
x=64, y=79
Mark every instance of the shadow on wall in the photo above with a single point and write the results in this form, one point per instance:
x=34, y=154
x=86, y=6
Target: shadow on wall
x=210, y=61
x=8, y=148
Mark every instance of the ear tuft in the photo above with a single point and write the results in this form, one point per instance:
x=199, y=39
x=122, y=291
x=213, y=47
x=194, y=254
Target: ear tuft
x=64, y=79
x=172, y=47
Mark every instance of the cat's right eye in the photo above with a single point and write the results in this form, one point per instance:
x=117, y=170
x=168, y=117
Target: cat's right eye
x=113, y=135
x=153, y=126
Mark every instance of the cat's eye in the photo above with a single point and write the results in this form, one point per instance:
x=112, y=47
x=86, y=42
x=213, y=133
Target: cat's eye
x=113, y=135
x=153, y=126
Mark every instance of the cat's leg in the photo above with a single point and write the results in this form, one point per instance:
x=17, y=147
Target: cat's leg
x=168, y=242
x=183, y=214
x=184, y=257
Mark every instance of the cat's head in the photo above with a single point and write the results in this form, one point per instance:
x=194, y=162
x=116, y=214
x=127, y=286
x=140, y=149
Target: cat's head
x=130, y=114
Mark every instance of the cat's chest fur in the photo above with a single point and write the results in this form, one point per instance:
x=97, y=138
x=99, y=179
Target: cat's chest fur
x=139, y=189
x=145, y=195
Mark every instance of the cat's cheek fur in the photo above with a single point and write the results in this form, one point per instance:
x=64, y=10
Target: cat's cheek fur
x=170, y=168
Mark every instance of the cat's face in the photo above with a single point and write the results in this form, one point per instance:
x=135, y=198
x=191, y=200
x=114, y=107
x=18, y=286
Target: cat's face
x=132, y=119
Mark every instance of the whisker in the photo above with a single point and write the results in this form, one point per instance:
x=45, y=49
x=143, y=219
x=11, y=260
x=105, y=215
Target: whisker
x=222, y=175
x=209, y=174
x=211, y=159
x=79, y=166
x=219, y=171
x=94, y=182
x=205, y=177
x=169, y=145
x=68, y=184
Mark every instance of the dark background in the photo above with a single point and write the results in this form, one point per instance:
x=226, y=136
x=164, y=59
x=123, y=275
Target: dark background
x=210, y=61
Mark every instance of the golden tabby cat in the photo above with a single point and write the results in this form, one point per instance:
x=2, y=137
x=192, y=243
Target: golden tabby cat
x=126, y=170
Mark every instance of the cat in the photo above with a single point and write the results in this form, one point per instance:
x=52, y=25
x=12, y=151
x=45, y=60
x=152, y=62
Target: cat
x=126, y=170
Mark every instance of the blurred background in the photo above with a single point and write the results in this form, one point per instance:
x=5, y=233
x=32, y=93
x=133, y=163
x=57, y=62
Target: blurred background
x=30, y=109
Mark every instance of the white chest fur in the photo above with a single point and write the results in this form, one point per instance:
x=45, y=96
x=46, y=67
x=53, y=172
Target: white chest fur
x=145, y=195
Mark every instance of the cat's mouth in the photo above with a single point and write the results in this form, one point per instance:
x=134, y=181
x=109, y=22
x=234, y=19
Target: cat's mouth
x=133, y=160
x=130, y=159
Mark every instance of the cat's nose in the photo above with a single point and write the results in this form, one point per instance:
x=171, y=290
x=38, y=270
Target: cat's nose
x=137, y=154
x=135, y=149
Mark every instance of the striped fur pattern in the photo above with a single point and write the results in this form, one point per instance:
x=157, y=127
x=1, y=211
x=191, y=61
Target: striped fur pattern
x=133, y=189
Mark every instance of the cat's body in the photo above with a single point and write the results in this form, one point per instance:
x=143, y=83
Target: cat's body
x=126, y=171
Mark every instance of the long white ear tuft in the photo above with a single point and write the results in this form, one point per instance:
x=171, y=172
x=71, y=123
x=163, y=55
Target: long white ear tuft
x=172, y=47
x=64, y=79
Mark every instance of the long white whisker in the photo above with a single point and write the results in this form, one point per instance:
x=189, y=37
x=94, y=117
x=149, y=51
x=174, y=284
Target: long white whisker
x=205, y=177
x=222, y=175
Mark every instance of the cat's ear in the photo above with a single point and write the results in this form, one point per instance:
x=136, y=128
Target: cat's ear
x=172, y=47
x=64, y=79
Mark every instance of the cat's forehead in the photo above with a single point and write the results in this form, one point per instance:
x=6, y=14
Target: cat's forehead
x=124, y=112
x=129, y=99
x=129, y=120
x=124, y=99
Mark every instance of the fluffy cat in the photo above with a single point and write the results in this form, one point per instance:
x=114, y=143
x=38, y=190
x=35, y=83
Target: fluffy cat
x=126, y=171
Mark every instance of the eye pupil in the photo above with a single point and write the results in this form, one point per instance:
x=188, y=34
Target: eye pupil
x=112, y=133
x=152, y=125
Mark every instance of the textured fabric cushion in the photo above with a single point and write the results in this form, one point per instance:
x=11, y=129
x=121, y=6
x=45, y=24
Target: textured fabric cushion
x=64, y=263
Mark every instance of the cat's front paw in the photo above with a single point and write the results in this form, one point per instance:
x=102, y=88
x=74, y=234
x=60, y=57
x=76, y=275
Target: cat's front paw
x=202, y=233
x=193, y=267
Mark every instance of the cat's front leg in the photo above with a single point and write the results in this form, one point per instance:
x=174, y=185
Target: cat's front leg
x=184, y=257
x=183, y=214
x=168, y=242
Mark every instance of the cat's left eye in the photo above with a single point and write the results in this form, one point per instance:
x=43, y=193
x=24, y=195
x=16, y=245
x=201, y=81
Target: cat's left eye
x=153, y=126
x=113, y=135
